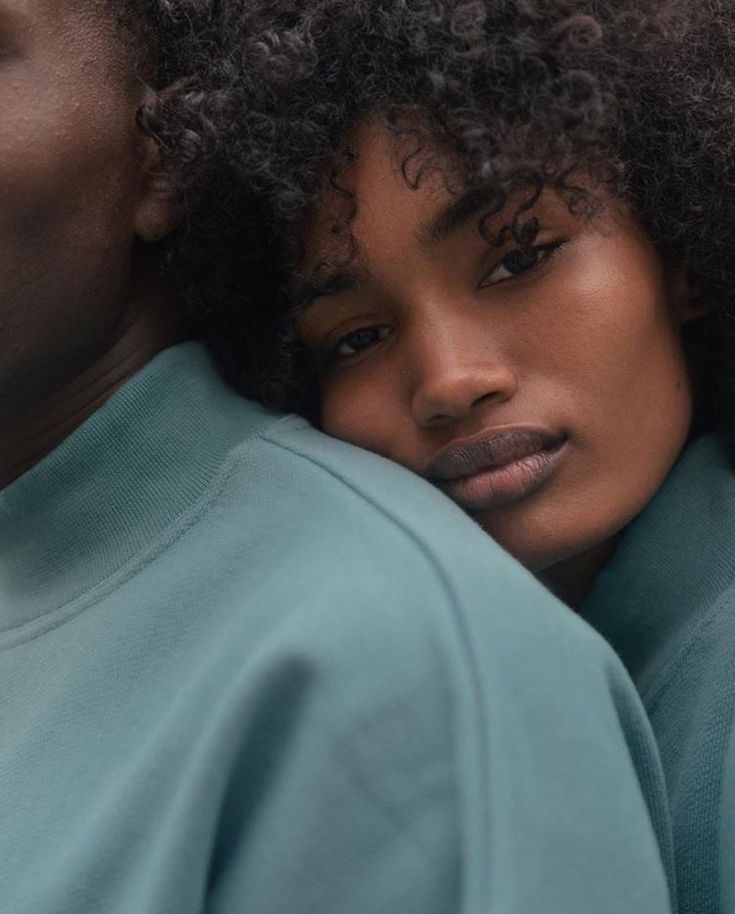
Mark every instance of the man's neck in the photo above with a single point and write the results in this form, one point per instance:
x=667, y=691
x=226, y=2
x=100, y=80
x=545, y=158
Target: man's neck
x=145, y=331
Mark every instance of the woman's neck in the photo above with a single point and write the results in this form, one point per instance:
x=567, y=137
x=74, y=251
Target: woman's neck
x=571, y=580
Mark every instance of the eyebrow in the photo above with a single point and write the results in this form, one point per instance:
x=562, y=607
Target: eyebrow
x=450, y=219
x=455, y=215
x=322, y=284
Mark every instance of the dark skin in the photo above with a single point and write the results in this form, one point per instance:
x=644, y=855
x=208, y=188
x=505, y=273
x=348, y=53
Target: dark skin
x=82, y=305
x=432, y=337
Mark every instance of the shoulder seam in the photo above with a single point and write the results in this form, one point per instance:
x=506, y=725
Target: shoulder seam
x=137, y=563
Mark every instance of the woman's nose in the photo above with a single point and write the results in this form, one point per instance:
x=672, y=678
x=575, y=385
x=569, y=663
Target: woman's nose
x=453, y=375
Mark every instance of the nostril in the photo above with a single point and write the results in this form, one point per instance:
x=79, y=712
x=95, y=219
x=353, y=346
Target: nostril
x=484, y=398
x=441, y=419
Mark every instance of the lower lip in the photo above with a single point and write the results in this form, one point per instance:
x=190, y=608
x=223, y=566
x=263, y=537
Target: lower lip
x=505, y=484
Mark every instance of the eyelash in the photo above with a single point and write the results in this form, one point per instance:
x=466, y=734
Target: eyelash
x=378, y=332
x=541, y=252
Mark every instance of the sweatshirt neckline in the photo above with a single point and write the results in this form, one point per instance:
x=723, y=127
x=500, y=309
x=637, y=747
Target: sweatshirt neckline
x=117, y=483
x=674, y=562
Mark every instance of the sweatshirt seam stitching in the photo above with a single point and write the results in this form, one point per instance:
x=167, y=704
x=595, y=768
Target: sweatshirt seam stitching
x=58, y=616
x=65, y=612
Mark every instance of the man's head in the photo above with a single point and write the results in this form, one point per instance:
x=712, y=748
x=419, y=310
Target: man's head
x=101, y=110
x=80, y=192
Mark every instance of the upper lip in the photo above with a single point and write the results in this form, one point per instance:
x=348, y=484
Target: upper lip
x=489, y=449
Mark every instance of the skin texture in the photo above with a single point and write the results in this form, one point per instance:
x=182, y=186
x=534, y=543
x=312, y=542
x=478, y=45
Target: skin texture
x=585, y=344
x=81, y=305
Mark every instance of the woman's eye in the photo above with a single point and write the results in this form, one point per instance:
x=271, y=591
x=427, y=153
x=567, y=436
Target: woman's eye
x=359, y=340
x=521, y=260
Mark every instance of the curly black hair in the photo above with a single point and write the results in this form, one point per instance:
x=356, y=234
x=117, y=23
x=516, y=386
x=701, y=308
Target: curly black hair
x=175, y=50
x=637, y=94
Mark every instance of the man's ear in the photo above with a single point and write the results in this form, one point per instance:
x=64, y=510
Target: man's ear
x=157, y=211
x=690, y=304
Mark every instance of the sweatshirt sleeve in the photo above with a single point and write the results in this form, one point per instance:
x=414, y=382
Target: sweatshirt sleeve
x=440, y=742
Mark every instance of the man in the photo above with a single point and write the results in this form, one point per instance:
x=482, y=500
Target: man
x=245, y=668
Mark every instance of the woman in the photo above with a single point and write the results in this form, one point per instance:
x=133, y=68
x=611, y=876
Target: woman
x=499, y=235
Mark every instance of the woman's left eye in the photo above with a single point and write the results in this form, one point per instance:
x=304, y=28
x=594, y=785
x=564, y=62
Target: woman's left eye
x=521, y=260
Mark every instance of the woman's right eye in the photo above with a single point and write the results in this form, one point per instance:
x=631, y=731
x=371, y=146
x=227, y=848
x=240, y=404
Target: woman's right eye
x=359, y=340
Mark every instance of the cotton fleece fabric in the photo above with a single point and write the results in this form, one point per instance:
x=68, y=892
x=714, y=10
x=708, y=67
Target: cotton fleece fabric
x=246, y=668
x=667, y=604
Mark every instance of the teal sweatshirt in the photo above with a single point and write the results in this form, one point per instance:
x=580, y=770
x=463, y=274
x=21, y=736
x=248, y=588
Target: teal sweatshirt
x=667, y=605
x=246, y=669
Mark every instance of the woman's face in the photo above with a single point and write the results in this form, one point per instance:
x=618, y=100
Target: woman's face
x=545, y=391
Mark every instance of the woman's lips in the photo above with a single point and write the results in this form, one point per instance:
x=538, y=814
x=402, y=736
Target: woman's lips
x=496, y=468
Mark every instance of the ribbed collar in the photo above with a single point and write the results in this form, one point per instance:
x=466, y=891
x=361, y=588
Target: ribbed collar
x=673, y=563
x=117, y=483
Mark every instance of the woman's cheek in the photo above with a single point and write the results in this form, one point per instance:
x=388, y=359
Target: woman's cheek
x=359, y=408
